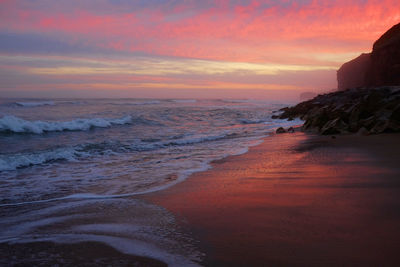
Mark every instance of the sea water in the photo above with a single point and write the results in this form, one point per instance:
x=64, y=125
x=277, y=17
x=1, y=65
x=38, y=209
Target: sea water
x=75, y=152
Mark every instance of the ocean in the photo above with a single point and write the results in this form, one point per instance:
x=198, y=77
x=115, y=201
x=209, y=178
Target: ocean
x=67, y=163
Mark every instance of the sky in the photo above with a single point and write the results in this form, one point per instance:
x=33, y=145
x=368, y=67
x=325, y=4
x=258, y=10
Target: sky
x=183, y=48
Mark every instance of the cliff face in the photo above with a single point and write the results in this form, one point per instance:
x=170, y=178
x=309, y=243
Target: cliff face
x=385, y=58
x=379, y=68
x=352, y=74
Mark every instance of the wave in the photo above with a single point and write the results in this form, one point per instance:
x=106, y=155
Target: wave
x=148, y=145
x=200, y=139
x=151, y=102
x=182, y=175
x=17, y=125
x=21, y=160
x=9, y=162
x=249, y=121
x=184, y=100
x=136, y=103
x=35, y=104
x=235, y=100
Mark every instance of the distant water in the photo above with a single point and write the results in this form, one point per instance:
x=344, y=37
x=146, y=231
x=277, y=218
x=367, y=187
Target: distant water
x=65, y=150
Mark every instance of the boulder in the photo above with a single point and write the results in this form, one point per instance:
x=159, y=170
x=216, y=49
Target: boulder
x=280, y=130
x=335, y=126
x=363, y=131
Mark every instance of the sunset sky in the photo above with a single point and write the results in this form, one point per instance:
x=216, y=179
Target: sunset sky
x=187, y=48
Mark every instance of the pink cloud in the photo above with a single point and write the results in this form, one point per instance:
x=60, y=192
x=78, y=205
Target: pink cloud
x=251, y=32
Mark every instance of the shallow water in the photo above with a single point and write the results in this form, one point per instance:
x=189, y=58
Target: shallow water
x=87, y=148
x=62, y=152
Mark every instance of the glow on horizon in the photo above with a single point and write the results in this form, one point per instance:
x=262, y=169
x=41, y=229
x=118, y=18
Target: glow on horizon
x=186, y=45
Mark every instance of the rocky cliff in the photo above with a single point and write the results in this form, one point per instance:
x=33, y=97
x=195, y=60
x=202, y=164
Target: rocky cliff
x=352, y=74
x=379, y=68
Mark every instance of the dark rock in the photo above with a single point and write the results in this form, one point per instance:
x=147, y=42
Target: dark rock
x=335, y=126
x=280, y=130
x=394, y=126
x=375, y=109
x=396, y=113
x=380, y=126
x=363, y=131
x=290, y=130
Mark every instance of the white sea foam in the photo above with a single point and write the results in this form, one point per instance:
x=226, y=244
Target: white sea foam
x=35, y=104
x=18, y=125
x=187, y=169
x=152, y=234
x=286, y=123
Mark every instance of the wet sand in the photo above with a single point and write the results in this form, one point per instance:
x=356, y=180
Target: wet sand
x=296, y=200
x=77, y=254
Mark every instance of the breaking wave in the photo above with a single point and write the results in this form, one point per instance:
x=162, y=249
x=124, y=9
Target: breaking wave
x=20, y=160
x=35, y=104
x=251, y=121
x=9, y=162
x=136, y=103
x=17, y=125
x=184, y=100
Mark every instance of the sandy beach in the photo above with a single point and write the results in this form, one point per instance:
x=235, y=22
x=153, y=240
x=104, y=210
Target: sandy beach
x=296, y=200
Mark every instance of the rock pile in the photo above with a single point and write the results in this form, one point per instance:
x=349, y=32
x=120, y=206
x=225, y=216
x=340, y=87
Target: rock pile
x=363, y=110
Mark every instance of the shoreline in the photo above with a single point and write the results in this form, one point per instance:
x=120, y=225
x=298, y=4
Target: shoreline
x=284, y=202
x=296, y=199
x=12, y=250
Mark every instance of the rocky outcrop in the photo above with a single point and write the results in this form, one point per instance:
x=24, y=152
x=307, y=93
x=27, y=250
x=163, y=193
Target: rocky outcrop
x=362, y=110
x=381, y=67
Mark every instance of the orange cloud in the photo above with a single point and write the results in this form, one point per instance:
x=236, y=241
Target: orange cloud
x=196, y=44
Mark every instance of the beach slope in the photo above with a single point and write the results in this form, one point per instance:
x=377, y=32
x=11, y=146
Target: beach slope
x=296, y=200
